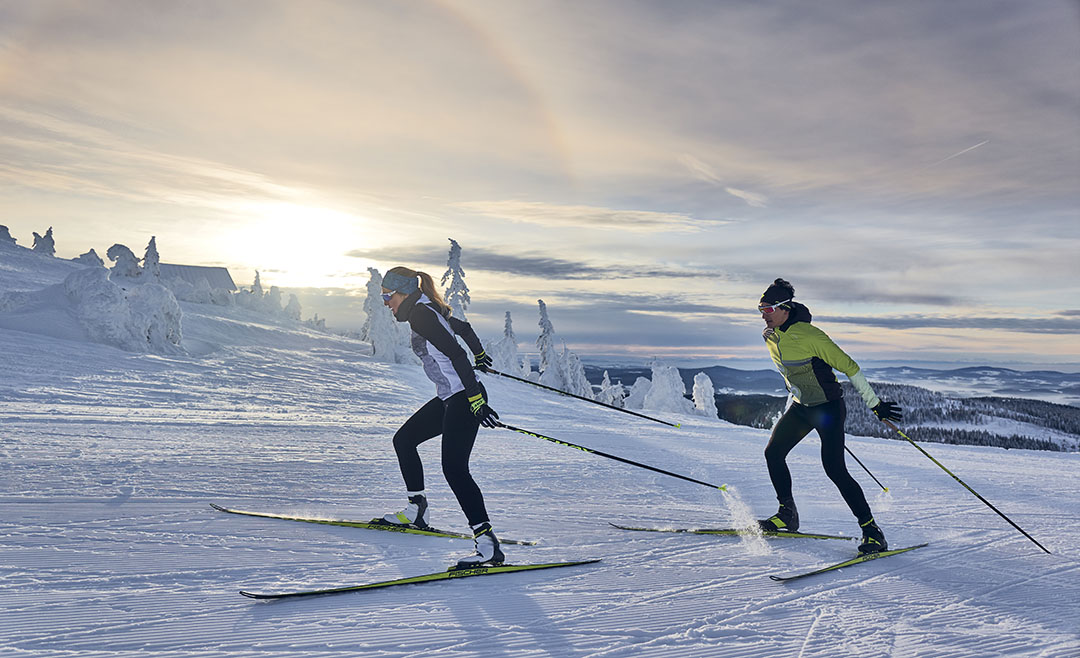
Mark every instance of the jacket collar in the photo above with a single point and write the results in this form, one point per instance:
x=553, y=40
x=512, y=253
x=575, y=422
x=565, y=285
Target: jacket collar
x=408, y=304
x=798, y=313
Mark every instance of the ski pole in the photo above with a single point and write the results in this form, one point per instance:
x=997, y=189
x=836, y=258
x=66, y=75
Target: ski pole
x=602, y=404
x=897, y=430
x=721, y=487
x=883, y=487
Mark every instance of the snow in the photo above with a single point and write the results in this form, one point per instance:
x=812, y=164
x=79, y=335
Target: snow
x=109, y=460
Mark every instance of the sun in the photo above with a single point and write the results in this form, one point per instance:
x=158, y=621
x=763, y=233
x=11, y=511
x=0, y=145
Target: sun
x=300, y=245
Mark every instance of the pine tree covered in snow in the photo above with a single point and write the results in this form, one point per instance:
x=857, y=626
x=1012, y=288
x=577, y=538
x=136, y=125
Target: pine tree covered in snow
x=551, y=364
x=705, y=396
x=44, y=244
x=635, y=399
x=457, y=294
x=5, y=236
x=504, y=351
x=292, y=309
x=151, y=260
x=256, y=288
x=576, y=382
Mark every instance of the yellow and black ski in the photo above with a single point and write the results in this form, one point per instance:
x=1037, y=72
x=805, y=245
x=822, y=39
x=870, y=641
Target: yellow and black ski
x=449, y=574
x=732, y=531
x=865, y=557
x=374, y=524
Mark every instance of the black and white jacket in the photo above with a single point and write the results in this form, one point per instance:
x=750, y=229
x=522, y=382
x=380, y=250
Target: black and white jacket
x=445, y=362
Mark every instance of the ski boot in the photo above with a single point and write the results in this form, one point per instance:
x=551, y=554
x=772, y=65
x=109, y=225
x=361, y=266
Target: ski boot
x=786, y=519
x=488, y=553
x=873, y=539
x=414, y=515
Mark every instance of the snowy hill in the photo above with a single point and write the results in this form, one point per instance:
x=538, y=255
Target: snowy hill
x=109, y=460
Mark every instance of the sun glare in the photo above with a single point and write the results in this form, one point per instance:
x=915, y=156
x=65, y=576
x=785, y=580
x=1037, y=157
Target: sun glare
x=302, y=246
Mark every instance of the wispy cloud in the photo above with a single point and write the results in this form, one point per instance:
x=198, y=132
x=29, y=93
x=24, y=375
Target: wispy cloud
x=1050, y=325
x=531, y=265
x=589, y=217
x=706, y=173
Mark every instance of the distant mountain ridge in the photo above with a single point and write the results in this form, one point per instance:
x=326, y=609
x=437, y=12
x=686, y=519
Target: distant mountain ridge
x=972, y=406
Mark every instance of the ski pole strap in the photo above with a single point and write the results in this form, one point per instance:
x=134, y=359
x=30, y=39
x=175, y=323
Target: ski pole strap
x=987, y=502
x=602, y=404
x=721, y=487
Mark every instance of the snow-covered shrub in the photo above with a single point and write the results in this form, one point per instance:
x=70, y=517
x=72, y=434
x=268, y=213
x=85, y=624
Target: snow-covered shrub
x=636, y=398
x=222, y=297
x=5, y=237
x=271, y=302
x=667, y=392
x=143, y=319
x=457, y=295
x=44, y=244
x=90, y=258
x=609, y=393
x=705, y=396
x=127, y=265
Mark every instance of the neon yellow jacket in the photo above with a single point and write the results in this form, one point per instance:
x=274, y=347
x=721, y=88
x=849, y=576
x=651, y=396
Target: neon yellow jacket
x=806, y=356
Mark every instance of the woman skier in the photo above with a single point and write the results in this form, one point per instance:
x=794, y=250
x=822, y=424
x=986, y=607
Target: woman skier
x=456, y=412
x=806, y=357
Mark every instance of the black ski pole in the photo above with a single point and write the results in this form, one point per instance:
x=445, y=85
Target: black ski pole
x=883, y=487
x=602, y=404
x=721, y=487
x=897, y=430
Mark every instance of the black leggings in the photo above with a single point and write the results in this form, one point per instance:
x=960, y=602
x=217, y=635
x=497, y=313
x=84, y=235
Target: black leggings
x=828, y=420
x=454, y=420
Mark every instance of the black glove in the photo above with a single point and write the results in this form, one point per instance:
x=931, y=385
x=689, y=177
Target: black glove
x=886, y=410
x=482, y=361
x=485, y=414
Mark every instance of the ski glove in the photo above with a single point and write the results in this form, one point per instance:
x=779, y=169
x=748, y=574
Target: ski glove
x=482, y=361
x=886, y=410
x=485, y=414
x=767, y=333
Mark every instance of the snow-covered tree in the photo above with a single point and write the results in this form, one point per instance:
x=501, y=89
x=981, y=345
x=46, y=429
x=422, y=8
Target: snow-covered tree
x=292, y=309
x=256, y=288
x=5, y=236
x=151, y=261
x=457, y=294
x=127, y=265
x=272, y=301
x=705, y=396
x=90, y=258
x=504, y=351
x=551, y=364
x=389, y=339
x=44, y=244
x=576, y=382
x=636, y=398
x=609, y=393
x=526, y=369
x=667, y=392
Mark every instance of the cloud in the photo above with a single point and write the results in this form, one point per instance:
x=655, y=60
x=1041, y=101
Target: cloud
x=706, y=173
x=527, y=264
x=1051, y=325
x=591, y=217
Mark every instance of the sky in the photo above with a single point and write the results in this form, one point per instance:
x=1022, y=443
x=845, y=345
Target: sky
x=646, y=168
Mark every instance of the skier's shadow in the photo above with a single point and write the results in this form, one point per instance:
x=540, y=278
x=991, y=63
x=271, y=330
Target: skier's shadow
x=506, y=619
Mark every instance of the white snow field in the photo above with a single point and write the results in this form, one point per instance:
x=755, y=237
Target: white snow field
x=109, y=547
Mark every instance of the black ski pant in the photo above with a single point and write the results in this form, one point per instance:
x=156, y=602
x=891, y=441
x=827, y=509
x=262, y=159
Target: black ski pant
x=454, y=420
x=828, y=420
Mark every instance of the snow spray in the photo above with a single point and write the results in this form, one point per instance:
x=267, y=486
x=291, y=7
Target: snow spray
x=752, y=539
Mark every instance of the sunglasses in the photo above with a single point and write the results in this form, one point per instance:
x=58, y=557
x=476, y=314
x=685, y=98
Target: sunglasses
x=386, y=296
x=769, y=309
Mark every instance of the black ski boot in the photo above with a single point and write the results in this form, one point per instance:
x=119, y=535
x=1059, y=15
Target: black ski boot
x=415, y=514
x=873, y=539
x=786, y=519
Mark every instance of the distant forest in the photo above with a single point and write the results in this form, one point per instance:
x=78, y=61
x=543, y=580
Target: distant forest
x=922, y=407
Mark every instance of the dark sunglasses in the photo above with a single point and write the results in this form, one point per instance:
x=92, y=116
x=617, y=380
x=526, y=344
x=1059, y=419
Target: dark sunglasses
x=386, y=296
